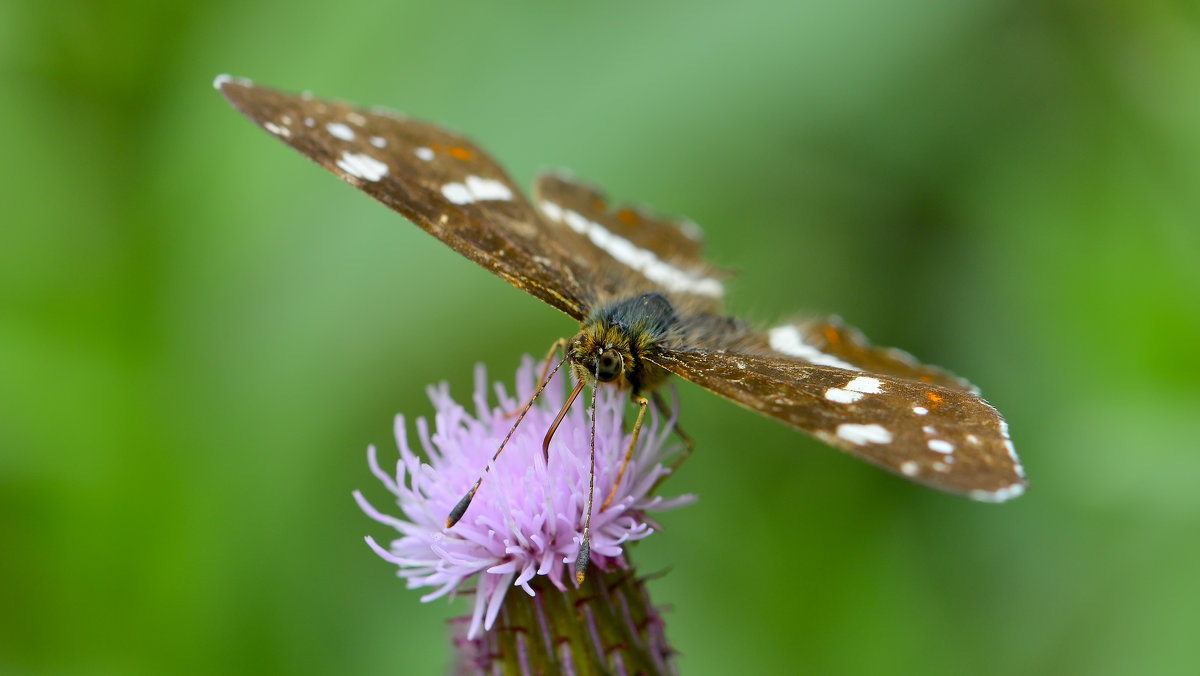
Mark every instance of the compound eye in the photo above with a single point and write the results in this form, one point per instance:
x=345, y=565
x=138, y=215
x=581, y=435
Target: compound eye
x=609, y=366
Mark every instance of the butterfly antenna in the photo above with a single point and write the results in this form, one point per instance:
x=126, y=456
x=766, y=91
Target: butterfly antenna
x=460, y=509
x=585, y=548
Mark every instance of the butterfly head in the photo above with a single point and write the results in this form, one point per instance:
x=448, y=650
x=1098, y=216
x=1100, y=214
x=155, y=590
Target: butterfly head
x=600, y=353
x=616, y=339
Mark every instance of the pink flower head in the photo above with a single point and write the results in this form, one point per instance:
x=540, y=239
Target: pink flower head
x=527, y=517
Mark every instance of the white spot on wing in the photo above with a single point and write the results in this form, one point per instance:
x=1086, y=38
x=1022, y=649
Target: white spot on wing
x=789, y=341
x=477, y=189
x=1012, y=451
x=902, y=356
x=362, y=165
x=457, y=193
x=340, y=130
x=865, y=384
x=485, y=189
x=309, y=122
x=941, y=446
x=842, y=396
x=356, y=119
x=552, y=211
x=379, y=141
x=224, y=79
x=920, y=410
x=854, y=390
x=276, y=129
x=643, y=260
x=576, y=222
x=862, y=435
x=1000, y=495
x=691, y=230
x=909, y=468
x=423, y=153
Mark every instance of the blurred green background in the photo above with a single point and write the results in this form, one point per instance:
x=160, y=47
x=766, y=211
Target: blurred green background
x=200, y=331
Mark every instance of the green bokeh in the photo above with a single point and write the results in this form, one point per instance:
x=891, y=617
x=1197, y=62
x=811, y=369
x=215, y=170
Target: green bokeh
x=200, y=332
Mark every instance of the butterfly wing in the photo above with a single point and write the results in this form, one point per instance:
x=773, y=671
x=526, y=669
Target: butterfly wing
x=441, y=181
x=943, y=437
x=831, y=342
x=572, y=256
x=634, y=251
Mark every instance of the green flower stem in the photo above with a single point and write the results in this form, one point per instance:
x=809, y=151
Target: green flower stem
x=606, y=626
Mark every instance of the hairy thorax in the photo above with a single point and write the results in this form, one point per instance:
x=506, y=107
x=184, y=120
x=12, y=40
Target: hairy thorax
x=615, y=341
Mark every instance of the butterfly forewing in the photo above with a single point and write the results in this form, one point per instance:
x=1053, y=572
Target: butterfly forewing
x=943, y=437
x=440, y=181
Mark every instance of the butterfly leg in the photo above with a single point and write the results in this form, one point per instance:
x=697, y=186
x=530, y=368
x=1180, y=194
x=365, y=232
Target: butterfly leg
x=560, y=344
x=642, y=403
x=688, y=444
x=461, y=508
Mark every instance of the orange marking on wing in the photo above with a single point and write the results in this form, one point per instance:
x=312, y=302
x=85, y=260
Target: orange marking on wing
x=627, y=217
x=459, y=153
x=935, y=397
x=925, y=379
x=598, y=205
x=831, y=335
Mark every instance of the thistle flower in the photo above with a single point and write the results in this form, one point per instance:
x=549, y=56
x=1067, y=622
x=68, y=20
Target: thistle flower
x=524, y=525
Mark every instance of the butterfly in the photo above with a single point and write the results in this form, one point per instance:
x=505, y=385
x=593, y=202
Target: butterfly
x=648, y=304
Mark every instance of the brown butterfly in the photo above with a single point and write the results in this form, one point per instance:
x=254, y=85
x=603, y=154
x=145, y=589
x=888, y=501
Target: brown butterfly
x=647, y=303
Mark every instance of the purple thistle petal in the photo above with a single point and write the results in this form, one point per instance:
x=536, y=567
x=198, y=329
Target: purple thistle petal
x=526, y=519
x=373, y=462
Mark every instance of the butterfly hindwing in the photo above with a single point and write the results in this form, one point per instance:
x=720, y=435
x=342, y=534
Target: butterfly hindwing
x=831, y=342
x=943, y=437
x=676, y=240
x=635, y=250
x=442, y=182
